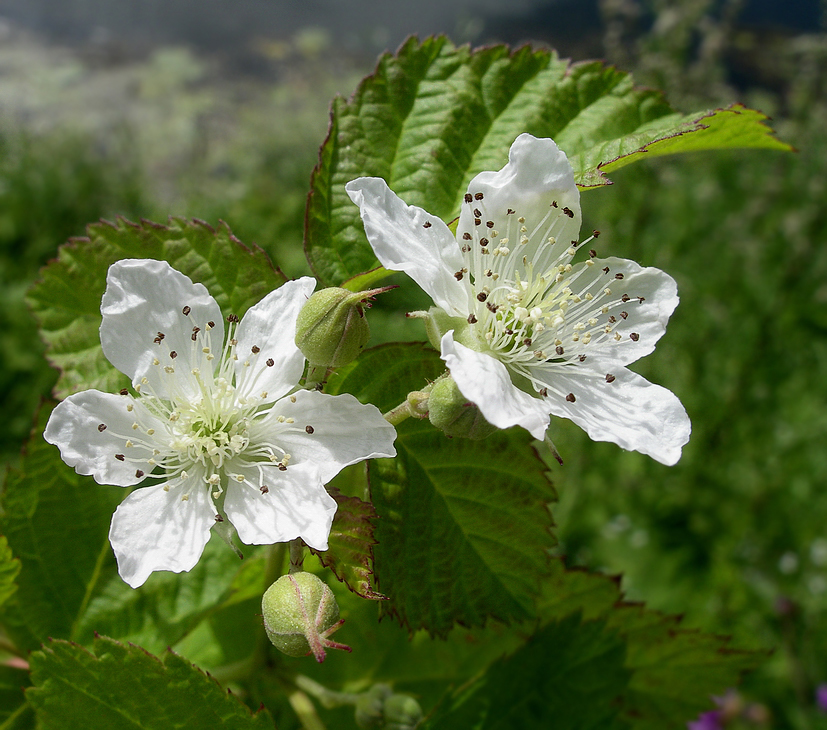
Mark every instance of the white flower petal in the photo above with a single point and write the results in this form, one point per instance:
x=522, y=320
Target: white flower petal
x=343, y=431
x=537, y=174
x=144, y=297
x=484, y=380
x=401, y=241
x=629, y=411
x=644, y=322
x=270, y=326
x=155, y=530
x=295, y=504
x=75, y=428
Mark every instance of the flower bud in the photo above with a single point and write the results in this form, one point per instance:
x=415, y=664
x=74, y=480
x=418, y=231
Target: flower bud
x=450, y=411
x=402, y=712
x=332, y=329
x=381, y=709
x=300, y=612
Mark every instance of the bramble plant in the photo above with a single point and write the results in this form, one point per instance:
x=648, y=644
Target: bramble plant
x=242, y=404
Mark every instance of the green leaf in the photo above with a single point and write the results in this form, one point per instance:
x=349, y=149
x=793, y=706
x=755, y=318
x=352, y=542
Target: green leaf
x=433, y=116
x=735, y=126
x=57, y=524
x=9, y=568
x=351, y=541
x=569, y=676
x=464, y=529
x=15, y=712
x=120, y=686
x=67, y=300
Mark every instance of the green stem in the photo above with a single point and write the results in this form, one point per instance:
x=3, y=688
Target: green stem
x=296, y=556
x=327, y=697
x=304, y=708
x=415, y=405
x=274, y=568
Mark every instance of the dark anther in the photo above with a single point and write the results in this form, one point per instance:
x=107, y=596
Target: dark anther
x=282, y=467
x=101, y=427
x=595, y=233
x=569, y=212
x=194, y=336
x=527, y=342
x=605, y=269
x=219, y=518
x=575, y=244
x=173, y=354
x=492, y=308
x=612, y=319
x=426, y=224
x=466, y=236
x=124, y=391
x=482, y=296
x=233, y=318
x=641, y=299
x=320, y=386
x=120, y=457
x=186, y=310
x=138, y=473
x=465, y=247
x=610, y=378
x=553, y=203
x=309, y=429
x=458, y=276
x=477, y=222
x=625, y=298
x=543, y=392
x=570, y=398
x=472, y=319
x=618, y=276
x=270, y=362
x=582, y=358
x=509, y=332
x=160, y=337
x=592, y=253
x=196, y=329
x=478, y=196
x=264, y=489
x=490, y=224
x=559, y=350
x=484, y=242
x=468, y=197
x=478, y=212
x=211, y=323
x=255, y=349
x=509, y=212
x=635, y=336
x=624, y=314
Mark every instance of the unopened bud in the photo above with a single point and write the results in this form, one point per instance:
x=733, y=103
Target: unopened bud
x=332, y=329
x=402, y=712
x=300, y=613
x=450, y=411
x=381, y=709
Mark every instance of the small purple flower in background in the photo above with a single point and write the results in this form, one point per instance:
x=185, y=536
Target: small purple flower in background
x=821, y=697
x=712, y=720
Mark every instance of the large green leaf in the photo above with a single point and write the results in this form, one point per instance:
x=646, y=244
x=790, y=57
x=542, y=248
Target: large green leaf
x=121, y=686
x=67, y=300
x=464, y=526
x=9, y=568
x=433, y=116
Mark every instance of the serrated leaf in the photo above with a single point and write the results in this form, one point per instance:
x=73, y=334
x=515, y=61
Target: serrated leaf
x=569, y=676
x=120, y=686
x=433, y=115
x=464, y=526
x=9, y=568
x=351, y=541
x=67, y=299
x=57, y=524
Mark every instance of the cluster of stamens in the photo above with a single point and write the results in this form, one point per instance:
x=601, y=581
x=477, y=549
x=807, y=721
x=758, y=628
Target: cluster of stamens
x=528, y=302
x=202, y=429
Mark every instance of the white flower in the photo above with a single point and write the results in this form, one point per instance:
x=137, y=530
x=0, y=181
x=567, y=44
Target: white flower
x=214, y=424
x=524, y=329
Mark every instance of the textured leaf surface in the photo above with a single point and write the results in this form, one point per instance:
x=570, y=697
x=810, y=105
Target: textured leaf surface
x=432, y=116
x=569, y=675
x=464, y=526
x=121, y=686
x=67, y=300
x=351, y=541
x=56, y=523
x=9, y=568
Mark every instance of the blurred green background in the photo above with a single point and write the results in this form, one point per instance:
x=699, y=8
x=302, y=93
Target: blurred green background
x=734, y=536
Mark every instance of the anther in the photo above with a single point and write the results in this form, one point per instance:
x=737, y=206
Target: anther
x=471, y=319
x=120, y=457
x=559, y=350
x=484, y=242
x=211, y=324
x=255, y=349
x=466, y=236
x=582, y=358
x=570, y=398
x=610, y=378
x=477, y=212
x=543, y=392
x=553, y=203
x=605, y=269
x=219, y=518
x=625, y=298
x=426, y=224
x=569, y=212
x=282, y=467
x=595, y=233
x=101, y=427
x=124, y=391
x=458, y=276
x=138, y=473
x=264, y=489
x=641, y=299
x=624, y=314
x=489, y=224
x=478, y=196
x=634, y=336
x=618, y=276
x=232, y=318
x=186, y=310
x=173, y=354
x=477, y=221
x=592, y=253
x=468, y=198
x=270, y=362
x=509, y=212
x=309, y=429
x=482, y=296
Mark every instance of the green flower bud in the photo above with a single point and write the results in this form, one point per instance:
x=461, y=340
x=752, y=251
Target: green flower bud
x=300, y=612
x=332, y=329
x=402, y=712
x=370, y=708
x=450, y=411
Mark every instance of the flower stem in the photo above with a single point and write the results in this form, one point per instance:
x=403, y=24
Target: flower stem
x=296, y=556
x=415, y=405
x=327, y=697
